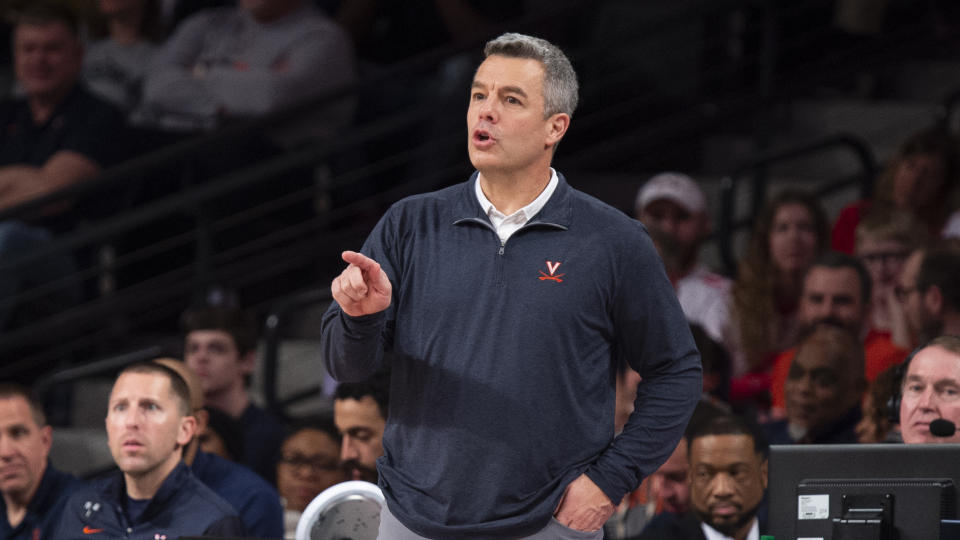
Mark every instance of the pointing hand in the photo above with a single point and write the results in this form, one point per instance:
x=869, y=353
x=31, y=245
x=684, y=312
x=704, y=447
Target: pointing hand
x=363, y=287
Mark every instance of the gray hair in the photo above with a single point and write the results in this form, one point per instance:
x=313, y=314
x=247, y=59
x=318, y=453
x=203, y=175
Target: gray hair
x=560, y=86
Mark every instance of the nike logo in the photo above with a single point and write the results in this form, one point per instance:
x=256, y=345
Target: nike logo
x=88, y=530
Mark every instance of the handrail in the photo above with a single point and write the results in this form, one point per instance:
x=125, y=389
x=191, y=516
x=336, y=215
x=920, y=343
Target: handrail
x=759, y=165
x=273, y=329
x=97, y=367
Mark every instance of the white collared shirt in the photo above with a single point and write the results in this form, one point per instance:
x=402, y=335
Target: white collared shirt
x=713, y=534
x=507, y=225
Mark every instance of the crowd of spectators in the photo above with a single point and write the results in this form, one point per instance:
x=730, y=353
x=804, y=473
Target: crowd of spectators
x=807, y=344
x=817, y=338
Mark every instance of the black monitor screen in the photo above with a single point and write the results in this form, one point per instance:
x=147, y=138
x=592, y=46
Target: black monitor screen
x=882, y=491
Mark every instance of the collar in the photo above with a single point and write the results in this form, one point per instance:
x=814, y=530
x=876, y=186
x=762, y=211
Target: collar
x=712, y=534
x=527, y=211
x=556, y=211
x=169, y=489
x=71, y=96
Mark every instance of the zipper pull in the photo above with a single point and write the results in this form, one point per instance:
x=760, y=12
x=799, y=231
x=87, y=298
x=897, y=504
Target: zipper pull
x=501, y=249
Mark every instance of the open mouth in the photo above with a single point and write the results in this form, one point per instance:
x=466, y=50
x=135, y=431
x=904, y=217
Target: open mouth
x=482, y=136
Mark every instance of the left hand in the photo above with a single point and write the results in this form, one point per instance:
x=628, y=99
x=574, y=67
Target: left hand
x=584, y=506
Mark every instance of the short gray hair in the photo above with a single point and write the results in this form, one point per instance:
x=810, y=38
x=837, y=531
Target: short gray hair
x=560, y=86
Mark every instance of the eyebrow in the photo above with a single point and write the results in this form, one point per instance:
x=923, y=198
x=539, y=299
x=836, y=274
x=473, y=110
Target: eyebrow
x=505, y=89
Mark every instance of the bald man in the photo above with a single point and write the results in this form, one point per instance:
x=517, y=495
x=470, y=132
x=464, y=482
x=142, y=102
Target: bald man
x=251, y=496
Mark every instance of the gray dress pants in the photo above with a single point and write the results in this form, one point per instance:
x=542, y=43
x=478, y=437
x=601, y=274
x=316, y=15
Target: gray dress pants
x=391, y=529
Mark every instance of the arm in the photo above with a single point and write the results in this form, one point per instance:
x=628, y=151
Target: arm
x=170, y=84
x=20, y=183
x=262, y=514
x=355, y=329
x=654, y=336
x=227, y=526
x=318, y=61
x=352, y=326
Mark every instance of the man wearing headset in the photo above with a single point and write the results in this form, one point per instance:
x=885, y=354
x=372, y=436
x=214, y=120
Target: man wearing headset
x=930, y=392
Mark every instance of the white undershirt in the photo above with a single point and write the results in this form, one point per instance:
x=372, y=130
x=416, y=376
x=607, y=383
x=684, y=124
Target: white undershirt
x=713, y=534
x=507, y=225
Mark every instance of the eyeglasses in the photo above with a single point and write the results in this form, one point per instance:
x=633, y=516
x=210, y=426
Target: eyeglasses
x=903, y=292
x=884, y=257
x=317, y=463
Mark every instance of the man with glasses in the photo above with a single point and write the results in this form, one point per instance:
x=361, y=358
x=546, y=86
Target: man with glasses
x=309, y=464
x=931, y=391
x=885, y=238
x=929, y=291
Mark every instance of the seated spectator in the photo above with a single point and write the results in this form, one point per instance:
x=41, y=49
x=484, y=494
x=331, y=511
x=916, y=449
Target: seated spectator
x=222, y=435
x=823, y=390
x=220, y=346
x=309, y=463
x=931, y=391
x=673, y=204
x=836, y=290
x=115, y=64
x=56, y=135
x=666, y=490
x=919, y=179
x=930, y=293
x=885, y=239
x=789, y=234
x=255, y=501
x=34, y=492
x=360, y=412
x=877, y=425
x=249, y=60
x=727, y=480
x=154, y=494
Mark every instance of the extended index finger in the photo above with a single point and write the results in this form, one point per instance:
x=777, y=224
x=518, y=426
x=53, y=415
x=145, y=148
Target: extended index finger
x=360, y=260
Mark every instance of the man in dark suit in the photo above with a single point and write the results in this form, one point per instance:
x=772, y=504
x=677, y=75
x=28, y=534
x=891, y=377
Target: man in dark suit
x=728, y=478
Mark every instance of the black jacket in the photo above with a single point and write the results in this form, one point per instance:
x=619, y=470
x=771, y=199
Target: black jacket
x=183, y=506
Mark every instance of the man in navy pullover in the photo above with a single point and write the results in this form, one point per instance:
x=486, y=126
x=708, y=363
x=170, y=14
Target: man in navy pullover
x=153, y=495
x=505, y=302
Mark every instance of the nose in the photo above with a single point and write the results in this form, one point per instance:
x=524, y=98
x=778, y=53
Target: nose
x=6, y=448
x=723, y=486
x=348, y=449
x=668, y=225
x=927, y=400
x=486, y=110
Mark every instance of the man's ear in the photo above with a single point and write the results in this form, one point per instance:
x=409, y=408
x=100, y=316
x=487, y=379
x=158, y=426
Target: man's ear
x=188, y=428
x=46, y=438
x=763, y=472
x=202, y=417
x=557, y=126
x=248, y=362
x=933, y=300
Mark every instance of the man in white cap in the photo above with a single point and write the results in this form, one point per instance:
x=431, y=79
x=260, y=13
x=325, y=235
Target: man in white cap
x=673, y=206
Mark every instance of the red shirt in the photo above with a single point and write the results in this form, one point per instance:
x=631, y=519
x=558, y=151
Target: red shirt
x=879, y=354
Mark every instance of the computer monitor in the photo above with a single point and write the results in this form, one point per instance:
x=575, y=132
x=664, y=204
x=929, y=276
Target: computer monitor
x=853, y=491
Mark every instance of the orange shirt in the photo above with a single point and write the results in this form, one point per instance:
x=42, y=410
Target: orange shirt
x=879, y=354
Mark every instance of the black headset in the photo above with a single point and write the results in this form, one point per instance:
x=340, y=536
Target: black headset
x=900, y=371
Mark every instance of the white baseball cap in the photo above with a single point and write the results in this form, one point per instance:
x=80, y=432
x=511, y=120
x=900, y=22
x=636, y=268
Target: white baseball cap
x=675, y=187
